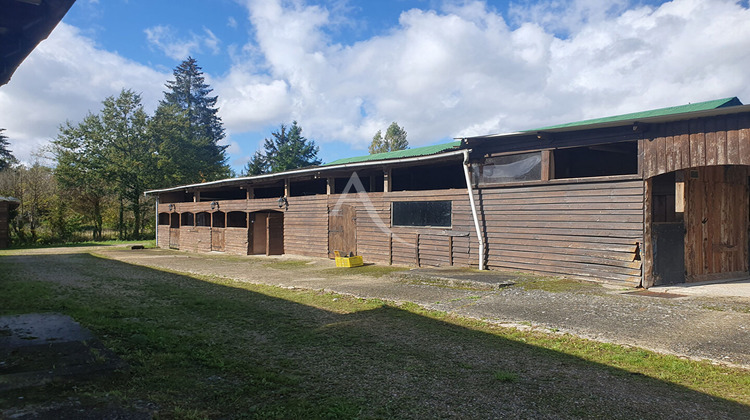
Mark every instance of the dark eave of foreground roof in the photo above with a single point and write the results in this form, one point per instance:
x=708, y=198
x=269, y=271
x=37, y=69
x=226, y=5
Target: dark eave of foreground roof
x=23, y=25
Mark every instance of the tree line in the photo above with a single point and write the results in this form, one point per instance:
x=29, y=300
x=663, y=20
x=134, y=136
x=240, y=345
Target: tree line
x=104, y=163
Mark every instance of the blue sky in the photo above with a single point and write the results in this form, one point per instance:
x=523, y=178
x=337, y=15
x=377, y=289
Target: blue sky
x=345, y=69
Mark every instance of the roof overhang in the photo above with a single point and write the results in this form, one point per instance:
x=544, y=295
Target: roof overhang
x=621, y=123
x=23, y=25
x=12, y=202
x=298, y=173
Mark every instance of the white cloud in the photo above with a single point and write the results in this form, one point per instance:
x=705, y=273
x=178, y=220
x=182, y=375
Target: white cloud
x=165, y=38
x=64, y=78
x=463, y=70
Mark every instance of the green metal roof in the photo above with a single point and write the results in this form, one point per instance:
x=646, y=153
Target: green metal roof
x=672, y=110
x=399, y=154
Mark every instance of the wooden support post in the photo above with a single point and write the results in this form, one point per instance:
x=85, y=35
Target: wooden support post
x=197, y=197
x=268, y=233
x=390, y=248
x=330, y=186
x=647, y=252
x=416, y=250
x=450, y=250
x=286, y=187
x=250, y=193
x=547, y=165
x=387, y=187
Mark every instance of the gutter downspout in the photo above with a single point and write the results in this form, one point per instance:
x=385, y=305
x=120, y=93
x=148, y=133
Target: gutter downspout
x=474, y=209
x=156, y=220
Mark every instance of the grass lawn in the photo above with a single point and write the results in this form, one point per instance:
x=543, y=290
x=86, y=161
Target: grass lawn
x=204, y=347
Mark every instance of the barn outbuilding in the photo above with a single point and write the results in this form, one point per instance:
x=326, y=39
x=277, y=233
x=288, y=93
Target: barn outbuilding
x=647, y=198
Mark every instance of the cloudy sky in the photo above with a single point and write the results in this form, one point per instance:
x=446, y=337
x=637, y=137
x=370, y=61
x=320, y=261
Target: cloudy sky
x=345, y=69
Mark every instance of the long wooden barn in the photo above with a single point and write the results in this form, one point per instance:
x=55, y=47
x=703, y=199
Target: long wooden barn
x=642, y=199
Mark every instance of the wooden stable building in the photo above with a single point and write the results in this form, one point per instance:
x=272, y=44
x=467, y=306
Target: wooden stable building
x=648, y=198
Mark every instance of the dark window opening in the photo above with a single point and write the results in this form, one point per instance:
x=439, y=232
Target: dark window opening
x=311, y=187
x=340, y=184
x=663, y=199
x=175, y=197
x=509, y=168
x=187, y=219
x=218, y=219
x=174, y=220
x=600, y=160
x=203, y=219
x=420, y=178
x=371, y=182
x=164, y=219
x=237, y=219
x=269, y=192
x=224, y=194
x=422, y=213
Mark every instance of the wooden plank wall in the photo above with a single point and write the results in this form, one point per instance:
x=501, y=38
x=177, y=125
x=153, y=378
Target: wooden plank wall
x=235, y=241
x=584, y=230
x=378, y=241
x=163, y=231
x=306, y=226
x=720, y=140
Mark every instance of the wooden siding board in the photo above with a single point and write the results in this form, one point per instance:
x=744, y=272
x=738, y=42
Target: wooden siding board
x=661, y=150
x=712, y=147
x=721, y=141
x=733, y=140
x=671, y=155
x=744, y=139
x=697, y=143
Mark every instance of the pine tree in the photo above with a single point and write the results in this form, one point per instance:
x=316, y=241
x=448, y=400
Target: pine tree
x=395, y=139
x=6, y=157
x=188, y=94
x=286, y=149
x=256, y=165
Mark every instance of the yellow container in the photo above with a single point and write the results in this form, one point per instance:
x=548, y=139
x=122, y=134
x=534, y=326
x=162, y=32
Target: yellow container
x=355, y=261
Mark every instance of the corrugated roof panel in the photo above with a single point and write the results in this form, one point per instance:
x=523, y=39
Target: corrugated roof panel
x=415, y=152
x=672, y=110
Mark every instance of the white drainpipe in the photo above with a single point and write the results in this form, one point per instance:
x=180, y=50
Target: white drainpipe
x=156, y=221
x=474, y=209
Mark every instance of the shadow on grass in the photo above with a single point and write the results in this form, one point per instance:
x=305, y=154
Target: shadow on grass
x=206, y=348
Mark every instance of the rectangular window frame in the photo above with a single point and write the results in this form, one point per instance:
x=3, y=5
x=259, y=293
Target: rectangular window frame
x=478, y=170
x=396, y=214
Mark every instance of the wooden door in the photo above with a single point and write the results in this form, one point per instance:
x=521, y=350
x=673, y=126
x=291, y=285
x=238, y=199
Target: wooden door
x=259, y=223
x=266, y=233
x=174, y=238
x=217, y=239
x=342, y=230
x=716, y=223
x=275, y=234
